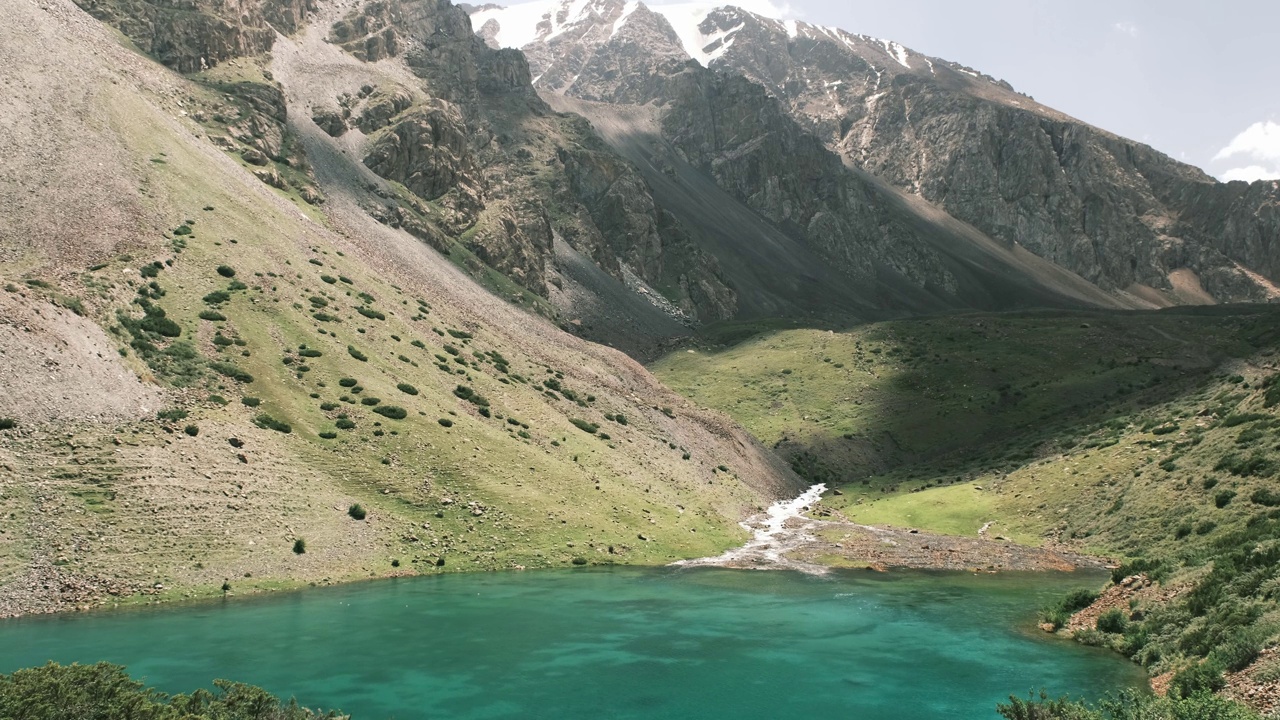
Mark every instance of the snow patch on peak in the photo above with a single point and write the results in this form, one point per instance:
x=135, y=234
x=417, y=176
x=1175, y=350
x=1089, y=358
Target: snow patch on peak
x=685, y=19
x=517, y=24
x=898, y=52
x=622, y=19
x=792, y=30
x=542, y=20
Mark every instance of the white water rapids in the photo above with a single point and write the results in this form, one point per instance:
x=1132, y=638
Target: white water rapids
x=771, y=537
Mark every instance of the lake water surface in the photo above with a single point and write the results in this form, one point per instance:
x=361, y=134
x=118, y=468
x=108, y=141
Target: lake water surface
x=610, y=643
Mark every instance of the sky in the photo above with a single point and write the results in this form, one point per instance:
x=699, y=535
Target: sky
x=1197, y=80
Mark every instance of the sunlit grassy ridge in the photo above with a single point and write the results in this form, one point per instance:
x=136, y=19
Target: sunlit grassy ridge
x=304, y=373
x=1150, y=437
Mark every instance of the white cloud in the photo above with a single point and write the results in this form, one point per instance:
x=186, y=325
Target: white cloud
x=1250, y=174
x=1260, y=141
x=1259, y=145
x=1126, y=28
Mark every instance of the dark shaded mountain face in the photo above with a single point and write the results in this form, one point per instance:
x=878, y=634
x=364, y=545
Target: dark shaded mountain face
x=1142, y=227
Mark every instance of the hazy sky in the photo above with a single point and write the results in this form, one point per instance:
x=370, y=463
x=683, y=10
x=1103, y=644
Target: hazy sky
x=1196, y=79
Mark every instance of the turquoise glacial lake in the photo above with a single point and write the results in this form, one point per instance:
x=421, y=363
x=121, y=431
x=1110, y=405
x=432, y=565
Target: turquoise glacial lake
x=610, y=643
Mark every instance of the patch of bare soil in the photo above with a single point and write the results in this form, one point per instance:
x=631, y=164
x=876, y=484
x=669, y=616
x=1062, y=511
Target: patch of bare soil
x=58, y=366
x=881, y=548
x=1132, y=592
x=1258, y=685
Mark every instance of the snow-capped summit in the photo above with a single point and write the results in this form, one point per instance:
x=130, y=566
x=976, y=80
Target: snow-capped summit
x=701, y=27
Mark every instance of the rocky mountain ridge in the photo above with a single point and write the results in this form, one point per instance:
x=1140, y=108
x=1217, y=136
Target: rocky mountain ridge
x=1148, y=230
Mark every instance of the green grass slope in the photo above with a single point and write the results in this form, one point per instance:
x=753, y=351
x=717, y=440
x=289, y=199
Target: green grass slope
x=277, y=365
x=1151, y=437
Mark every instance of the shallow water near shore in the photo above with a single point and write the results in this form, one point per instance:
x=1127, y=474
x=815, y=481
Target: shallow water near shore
x=610, y=643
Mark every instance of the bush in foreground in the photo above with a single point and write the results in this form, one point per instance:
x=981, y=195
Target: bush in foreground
x=1128, y=705
x=106, y=692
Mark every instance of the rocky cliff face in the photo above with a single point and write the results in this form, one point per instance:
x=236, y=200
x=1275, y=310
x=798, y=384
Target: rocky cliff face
x=506, y=173
x=1114, y=211
x=193, y=35
x=1136, y=223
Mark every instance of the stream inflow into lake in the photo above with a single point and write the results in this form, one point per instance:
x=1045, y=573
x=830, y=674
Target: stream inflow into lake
x=609, y=643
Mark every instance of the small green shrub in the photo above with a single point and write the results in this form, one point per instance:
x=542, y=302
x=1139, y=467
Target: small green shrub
x=460, y=334
x=309, y=353
x=353, y=352
x=407, y=389
x=1237, y=653
x=328, y=435
x=392, y=411
x=329, y=279
x=445, y=422
x=347, y=382
x=1111, y=621
x=1223, y=497
x=251, y=401
x=172, y=414
x=356, y=512
x=156, y=322
x=226, y=369
x=217, y=297
x=226, y=271
x=1058, y=615
x=8, y=423
x=370, y=401
x=1265, y=497
x=1235, y=419
x=471, y=396
x=1203, y=677
x=267, y=422
x=212, y=316
x=191, y=430
x=299, y=546
x=345, y=424
x=371, y=313
x=1256, y=465
x=585, y=426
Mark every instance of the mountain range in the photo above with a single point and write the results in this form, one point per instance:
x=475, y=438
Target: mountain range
x=268, y=261
x=974, y=161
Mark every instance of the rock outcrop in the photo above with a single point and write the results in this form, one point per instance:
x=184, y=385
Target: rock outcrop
x=504, y=173
x=193, y=35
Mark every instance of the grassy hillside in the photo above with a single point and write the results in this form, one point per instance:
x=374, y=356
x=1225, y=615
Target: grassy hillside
x=1149, y=437
x=224, y=369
